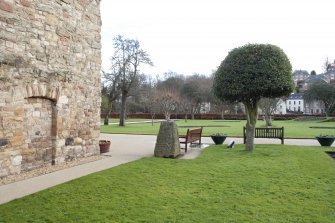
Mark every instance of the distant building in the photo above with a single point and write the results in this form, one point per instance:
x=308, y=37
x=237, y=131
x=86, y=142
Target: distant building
x=315, y=107
x=330, y=76
x=295, y=103
x=303, y=85
x=205, y=107
x=300, y=75
x=303, y=80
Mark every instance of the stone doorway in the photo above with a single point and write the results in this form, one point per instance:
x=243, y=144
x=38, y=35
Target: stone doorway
x=38, y=123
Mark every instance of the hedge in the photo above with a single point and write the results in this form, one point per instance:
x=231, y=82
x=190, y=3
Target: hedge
x=209, y=116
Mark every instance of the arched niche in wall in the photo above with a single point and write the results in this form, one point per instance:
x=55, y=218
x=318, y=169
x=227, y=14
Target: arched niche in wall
x=39, y=125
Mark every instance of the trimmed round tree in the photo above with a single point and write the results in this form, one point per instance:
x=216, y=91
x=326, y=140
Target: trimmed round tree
x=249, y=73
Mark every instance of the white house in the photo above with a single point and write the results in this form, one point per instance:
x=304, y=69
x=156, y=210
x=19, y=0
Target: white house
x=281, y=107
x=295, y=103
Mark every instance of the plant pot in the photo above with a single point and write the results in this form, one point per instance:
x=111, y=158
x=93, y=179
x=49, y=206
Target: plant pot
x=104, y=146
x=325, y=141
x=218, y=140
x=331, y=154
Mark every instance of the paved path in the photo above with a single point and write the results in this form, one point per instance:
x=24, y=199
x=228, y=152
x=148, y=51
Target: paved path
x=124, y=148
x=139, y=122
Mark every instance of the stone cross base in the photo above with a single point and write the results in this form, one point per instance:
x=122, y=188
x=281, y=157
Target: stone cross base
x=167, y=143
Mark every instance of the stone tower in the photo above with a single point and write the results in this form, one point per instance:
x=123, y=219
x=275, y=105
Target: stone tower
x=50, y=60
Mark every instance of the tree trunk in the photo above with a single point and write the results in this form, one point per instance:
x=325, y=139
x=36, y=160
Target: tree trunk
x=167, y=115
x=268, y=120
x=192, y=113
x=186, y=117
x=152, y=119
x=123, y=109
x=222, y=114
x=252, y=112
x=327, y=109
x=106, y=120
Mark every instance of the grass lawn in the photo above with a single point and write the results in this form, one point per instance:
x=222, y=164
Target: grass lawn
x=275, y=183
x=234, y=128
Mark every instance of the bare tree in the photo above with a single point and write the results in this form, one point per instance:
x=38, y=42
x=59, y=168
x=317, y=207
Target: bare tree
x=127, y=58
x=112, y=90
x=168, y=100
x=328, y=66
x=220, y=106
x=269, y=106
x=185, y=107
x=151, y=102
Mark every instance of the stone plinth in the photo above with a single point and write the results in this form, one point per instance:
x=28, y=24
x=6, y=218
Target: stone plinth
x=167, y=143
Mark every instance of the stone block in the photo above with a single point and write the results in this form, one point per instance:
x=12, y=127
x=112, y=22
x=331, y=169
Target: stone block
x=59, y=160
x=16, y=160
x=3, y=172
x=51, y=20
x=19, y=111
x=60, y=143
x=78, y=141
x=167, y=143
x=5, y=6
x=95, y=133
x=26, y=3
x=15, y=169
x=16, y=140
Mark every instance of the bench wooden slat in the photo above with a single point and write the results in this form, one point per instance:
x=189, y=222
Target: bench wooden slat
x=273, y=133
x=191, y=136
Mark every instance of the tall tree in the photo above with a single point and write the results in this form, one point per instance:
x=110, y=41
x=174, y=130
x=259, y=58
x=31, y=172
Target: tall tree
x=321, y=91
x=126, y=60
x=112, y=90
x=197, y=89
x=151, y=102
x=172, y=81
x=328, y=66
x=249, y=73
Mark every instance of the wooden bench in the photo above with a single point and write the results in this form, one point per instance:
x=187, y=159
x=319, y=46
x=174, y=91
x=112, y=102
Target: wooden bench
x=191, y=136
x=273, y=133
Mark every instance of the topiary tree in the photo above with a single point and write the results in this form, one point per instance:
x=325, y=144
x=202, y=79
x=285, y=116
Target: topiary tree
x=249, y=73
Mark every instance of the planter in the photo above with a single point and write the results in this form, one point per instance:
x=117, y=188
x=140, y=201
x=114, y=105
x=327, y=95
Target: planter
x=326, y=140
x=104, y=146
x=218, y=140
x=331, y=154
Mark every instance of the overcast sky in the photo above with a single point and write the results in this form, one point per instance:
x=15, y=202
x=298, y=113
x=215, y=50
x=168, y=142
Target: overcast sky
x=190, y=37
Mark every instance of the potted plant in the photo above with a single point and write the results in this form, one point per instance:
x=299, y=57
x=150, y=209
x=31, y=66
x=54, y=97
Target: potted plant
x=218, y=138
x=104, y=146
x=325, y=140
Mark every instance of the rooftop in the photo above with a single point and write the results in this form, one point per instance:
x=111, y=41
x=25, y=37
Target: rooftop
x=296, y=96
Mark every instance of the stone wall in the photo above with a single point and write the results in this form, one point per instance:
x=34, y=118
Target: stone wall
x=50, y=59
